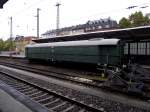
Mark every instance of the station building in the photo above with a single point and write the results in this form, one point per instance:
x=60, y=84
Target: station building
x=21, y=42
x=137, y=41
x=89, y=26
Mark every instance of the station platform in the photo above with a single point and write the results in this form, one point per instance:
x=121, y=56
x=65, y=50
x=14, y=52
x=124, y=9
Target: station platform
x=13, y=101
x=9, y=104
x=13, y=56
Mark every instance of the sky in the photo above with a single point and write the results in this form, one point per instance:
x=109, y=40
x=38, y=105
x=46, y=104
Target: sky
x=72, y=12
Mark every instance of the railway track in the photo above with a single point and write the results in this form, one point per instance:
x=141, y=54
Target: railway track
x=56, y=74
x=47, y=98
x=77, y=79
x=59, y=93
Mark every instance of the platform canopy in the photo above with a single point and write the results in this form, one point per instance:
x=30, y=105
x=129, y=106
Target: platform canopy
x=2, y=2
x=129, y=34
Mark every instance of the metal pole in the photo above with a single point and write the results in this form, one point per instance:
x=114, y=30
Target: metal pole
x=11, y=27
x=11, y=33
x=38, y=22
x=57, y=19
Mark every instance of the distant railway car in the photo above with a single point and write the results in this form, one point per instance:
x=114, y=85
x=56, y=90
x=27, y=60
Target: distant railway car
x=95, y=51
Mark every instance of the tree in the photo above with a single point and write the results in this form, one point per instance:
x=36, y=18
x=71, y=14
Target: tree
x=7, y=45
x=1, y=44
x=137, y=19
x=147, y=20
x=134, y=20
x=124, y=23
x=10, y=45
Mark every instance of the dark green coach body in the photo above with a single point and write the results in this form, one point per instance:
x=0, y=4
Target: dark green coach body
x=98, y=51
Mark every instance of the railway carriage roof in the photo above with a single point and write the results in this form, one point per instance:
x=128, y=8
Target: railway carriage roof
x=78, y=43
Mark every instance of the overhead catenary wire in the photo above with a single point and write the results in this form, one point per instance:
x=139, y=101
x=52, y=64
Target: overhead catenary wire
x=22, y=11
x=101, y=13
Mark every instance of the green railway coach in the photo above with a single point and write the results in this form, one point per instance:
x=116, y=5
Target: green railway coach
x=96, y=51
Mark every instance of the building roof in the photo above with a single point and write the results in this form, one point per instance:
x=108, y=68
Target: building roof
x=88, y=26
x=27, y=38
x=136, y=34
x=2, y=2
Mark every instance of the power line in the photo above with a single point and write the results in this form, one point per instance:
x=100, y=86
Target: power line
x=25, y=9
x=142, y=6
x=31, y=6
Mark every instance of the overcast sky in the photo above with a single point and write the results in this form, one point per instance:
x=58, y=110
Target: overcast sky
x=72, y=12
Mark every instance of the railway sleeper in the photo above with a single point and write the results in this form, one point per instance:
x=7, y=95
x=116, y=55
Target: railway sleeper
x=49, y=104
x=20, y=86
x=34, y=95
x=31, y=92
x=47, y=100
x=41, y=97
x=27, y=90
x=59, y=105
x=69, y=108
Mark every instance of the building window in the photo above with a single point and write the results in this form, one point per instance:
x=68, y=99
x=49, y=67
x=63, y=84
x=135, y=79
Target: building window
x=126, y=48
x=148, y=48
x=133, y=48
x=141, y=48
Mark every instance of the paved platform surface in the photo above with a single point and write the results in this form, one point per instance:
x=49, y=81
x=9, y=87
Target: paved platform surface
x=9, y=104
x=13, y=101
x=15, y=56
